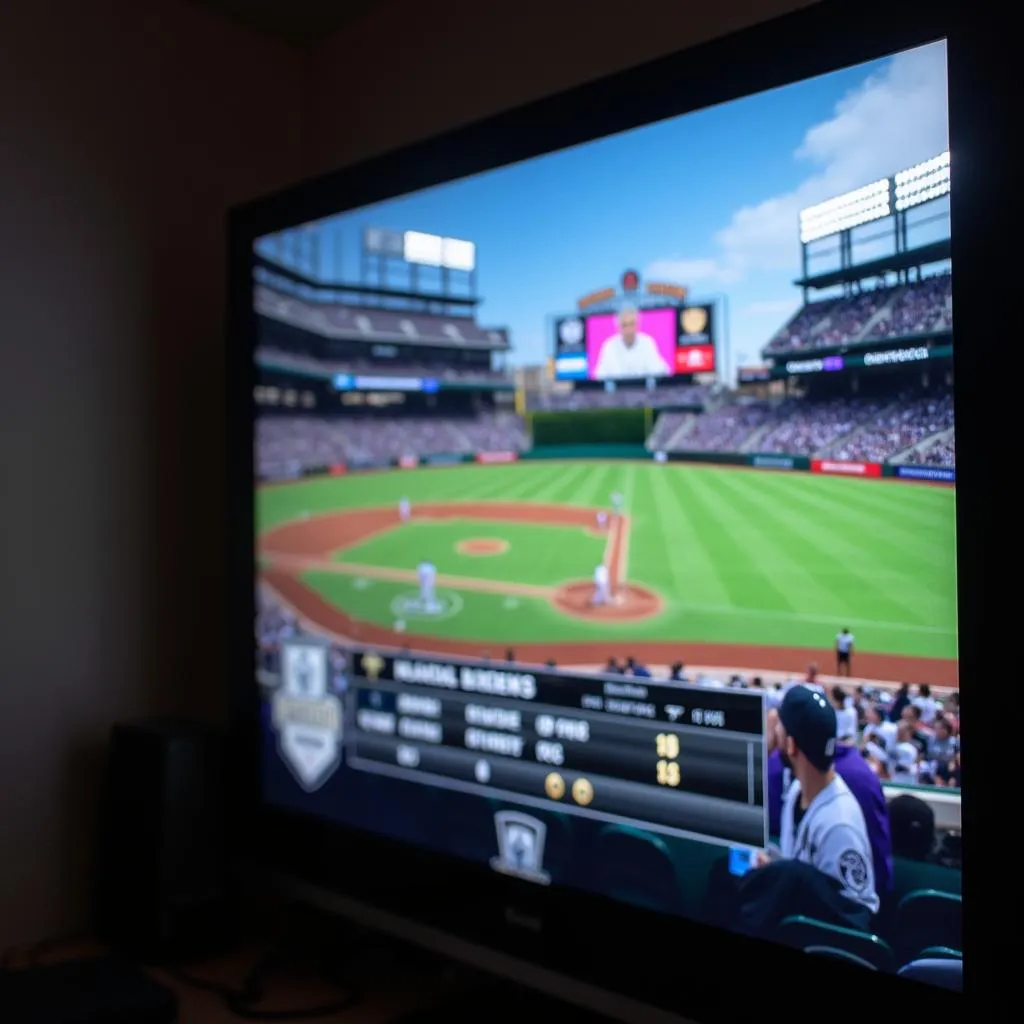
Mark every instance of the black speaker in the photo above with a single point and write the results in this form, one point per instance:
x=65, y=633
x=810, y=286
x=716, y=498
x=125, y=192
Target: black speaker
x=163, y=879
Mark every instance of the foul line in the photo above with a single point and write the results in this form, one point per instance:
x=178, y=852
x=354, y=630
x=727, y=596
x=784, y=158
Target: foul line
x=298, y=564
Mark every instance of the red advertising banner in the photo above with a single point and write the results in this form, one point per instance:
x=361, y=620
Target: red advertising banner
x=409, y=461
x=339, y=469
x=489, y=458
x=695, y=359
x=837, y=468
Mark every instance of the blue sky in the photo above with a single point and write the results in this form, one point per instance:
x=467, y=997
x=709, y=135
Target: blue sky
x=708, y=200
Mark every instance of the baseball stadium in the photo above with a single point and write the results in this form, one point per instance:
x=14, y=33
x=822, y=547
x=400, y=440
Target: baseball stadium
x=740, y=527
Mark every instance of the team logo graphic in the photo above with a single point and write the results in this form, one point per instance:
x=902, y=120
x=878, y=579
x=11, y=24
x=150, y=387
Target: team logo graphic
x=412, y=605
x=694, y=320
x=306, y=715
x=520, y=847
x=570, y=332
x=372, y=665
x=853, y=870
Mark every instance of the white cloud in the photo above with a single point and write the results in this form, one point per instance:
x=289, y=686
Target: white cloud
x=892, y=120
x=683, y=271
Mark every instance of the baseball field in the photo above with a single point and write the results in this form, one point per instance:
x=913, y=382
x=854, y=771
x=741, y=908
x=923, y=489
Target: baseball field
x=712, y=565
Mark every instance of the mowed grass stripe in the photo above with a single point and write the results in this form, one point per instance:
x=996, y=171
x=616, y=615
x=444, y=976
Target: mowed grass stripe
x=669, y=543
x=921, y=582
x=561, y=488
x=901, y=501
x=902, y=547
x=823, y=579
x=737, y=551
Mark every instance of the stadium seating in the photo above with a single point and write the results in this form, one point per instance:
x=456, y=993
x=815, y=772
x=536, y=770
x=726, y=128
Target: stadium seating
x=288, y=445
x=637, y=867
x=927, y=918
x=804, y=933
x=944, y=973
x=901, y=311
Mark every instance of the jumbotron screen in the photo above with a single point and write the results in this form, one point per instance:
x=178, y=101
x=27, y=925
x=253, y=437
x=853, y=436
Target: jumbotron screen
x=636, y=343
x=690, y=643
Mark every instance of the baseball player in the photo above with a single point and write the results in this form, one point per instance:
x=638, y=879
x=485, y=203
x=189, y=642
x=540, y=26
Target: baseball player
x=427, y=573
x=617, y=502
x=404, y=510
x=602, y=585
x=822, y=822
x=602, y=520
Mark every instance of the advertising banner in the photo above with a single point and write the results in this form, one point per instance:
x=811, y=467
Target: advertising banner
x=941, y=474
x=408, y=462
x=339, y=469
x=492, y=458
x=772, y=462
x=840, y=468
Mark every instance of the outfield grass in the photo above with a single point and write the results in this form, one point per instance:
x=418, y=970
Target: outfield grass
x=737, y=556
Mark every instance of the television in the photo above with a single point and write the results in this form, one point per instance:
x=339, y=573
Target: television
x=595, y=490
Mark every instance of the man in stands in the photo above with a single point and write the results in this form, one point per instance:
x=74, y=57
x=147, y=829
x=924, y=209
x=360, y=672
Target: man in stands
x=863, y=783
x=905, y=756
x=926, y=704
x=825, y=868
x=844, y=652
x=630, y=353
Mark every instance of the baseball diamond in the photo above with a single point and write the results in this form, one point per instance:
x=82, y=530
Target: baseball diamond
x=711, y=564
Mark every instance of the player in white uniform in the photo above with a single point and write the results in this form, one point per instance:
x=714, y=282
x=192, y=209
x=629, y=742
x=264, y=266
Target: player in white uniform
x=822, y=823
x=427, y=573
x=404, y=510
x=617, y=502
x=630, y=353
x=602, y=585
x=602, y=519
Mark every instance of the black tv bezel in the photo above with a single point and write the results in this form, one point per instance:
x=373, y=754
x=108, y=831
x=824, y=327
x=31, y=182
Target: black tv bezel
x=646, y=956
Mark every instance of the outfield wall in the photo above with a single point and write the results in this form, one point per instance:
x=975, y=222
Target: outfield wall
x=752, y=460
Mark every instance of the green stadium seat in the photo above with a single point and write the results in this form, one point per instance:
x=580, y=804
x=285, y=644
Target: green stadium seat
x=637, y=867
x=927, y=918
x=834, y=953
x=694, y=862
x=805, y=933
x=944, y=973
x=941, y=953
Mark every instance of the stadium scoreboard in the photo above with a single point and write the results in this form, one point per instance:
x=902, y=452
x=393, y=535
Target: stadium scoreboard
x=675, y=758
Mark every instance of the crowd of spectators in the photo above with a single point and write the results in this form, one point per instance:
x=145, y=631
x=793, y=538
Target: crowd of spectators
x=800, y=428
x=938, y=453
x=662, y=397
x=857, y=430
x=899, y=428
x=303, y=362
x=918, y=308
x=726, y=428
x=288, y=445
x=875, y=314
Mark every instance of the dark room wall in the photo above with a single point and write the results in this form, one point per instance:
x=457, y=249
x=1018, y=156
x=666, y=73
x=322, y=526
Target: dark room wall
x=126, y=128
x=412, y=69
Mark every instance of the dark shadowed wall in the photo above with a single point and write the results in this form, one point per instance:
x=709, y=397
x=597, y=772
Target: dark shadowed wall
x=126, y=129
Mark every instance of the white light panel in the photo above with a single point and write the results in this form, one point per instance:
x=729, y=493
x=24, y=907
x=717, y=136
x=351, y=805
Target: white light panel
x=923, y=183
x=458, y=255
x=424, y=249
x=862, y=205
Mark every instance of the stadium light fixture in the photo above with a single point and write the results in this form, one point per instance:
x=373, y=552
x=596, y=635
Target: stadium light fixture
x=435, y=251
x=923, y=182
x=850, y=210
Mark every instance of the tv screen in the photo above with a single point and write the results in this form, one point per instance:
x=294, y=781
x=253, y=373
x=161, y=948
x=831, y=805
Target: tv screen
x=605, y=518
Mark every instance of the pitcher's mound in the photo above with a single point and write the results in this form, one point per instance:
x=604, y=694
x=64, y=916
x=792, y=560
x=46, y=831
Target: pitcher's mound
x=631, y=602
x=482, y=546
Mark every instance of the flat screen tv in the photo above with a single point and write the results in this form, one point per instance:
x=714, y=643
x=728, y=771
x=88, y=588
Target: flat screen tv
x=601, y=463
